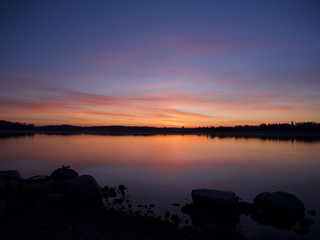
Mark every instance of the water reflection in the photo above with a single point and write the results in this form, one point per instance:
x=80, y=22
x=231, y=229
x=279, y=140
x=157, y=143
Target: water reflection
x=165, y=168
x=309, y=138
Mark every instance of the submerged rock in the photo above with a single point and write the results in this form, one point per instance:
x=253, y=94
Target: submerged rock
x=63, y=174
x=278, y=209
x=214, y=198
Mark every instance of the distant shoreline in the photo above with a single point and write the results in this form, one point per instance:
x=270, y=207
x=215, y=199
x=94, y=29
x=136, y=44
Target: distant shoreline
x=283, y=135
x=304, y=130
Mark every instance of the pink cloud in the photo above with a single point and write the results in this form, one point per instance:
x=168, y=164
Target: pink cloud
x=171, y=107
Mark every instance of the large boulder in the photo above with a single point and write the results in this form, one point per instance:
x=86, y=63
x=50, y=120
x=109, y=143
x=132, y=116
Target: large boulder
x=85, y=188
x=278, y=209
x=54, y=199
x=34, y=191
x=214, y=198
x=38, y=179
x=10, y=174
x=63, y=174
x=213, y=209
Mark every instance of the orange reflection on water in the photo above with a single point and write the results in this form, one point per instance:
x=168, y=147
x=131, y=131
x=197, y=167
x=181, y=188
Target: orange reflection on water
x=174, y=153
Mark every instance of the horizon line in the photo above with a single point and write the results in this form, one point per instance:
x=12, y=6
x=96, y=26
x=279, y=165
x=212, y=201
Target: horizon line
x=181, y=126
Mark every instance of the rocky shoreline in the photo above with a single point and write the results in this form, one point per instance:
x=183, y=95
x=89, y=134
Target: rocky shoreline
x=65, y=205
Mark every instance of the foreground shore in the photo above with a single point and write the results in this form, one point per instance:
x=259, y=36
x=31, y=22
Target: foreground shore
x=68, y=206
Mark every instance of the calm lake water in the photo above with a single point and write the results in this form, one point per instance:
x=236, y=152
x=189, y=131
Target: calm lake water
x=163, y=169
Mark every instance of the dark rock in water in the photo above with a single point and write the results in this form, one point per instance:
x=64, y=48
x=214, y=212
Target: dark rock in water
x=278, y=209
x=175, y=219
x=203, y=216
x=108, y=192
x=312, y=212
x=121, y=188
x=10, y=174
x=118, y=201
x=244, y=207
x=187, y=208
x=306, y=223
x=214, y=211
x=301, y=230
x=85, y=188
x=63, y=174
x=229, y=218
x=214, y=198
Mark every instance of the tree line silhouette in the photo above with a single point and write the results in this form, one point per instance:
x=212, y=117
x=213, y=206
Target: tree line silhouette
x=311, y=127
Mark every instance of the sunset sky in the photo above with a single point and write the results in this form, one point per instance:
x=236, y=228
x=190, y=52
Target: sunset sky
x=159, y=63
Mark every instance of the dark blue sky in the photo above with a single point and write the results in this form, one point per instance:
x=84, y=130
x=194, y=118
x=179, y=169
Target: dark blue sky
x=191, y=63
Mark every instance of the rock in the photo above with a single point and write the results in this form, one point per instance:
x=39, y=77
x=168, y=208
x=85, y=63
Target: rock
x=54, y=198
x=228, y=218
x=12, y=185
x=301, y=230
x=175, y=219
x=10, y=174
x=38, y=179
x=2, y=189
x=8, y=187
x=278, y=209
x=58, y=186
x=306, y=223
x=214, y=208
x=108, y=192
x=214, y=198
x=33, y=191
x=244, y=207
x=122, y=188
x=200, y=214
x=2, y=209
x=63, y=174
x=85, y=188
x=312, y=212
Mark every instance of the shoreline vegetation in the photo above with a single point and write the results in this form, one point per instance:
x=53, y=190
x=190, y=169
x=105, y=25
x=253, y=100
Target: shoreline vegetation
x=66, y=205
x=293, y=131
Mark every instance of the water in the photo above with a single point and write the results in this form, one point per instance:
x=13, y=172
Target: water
x=164, y=169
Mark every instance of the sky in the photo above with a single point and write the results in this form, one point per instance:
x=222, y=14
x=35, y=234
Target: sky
x=159, y=63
